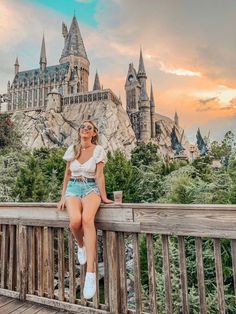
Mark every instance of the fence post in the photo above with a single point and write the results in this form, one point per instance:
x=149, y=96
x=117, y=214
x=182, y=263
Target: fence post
x=22, y=253
x=113, y=271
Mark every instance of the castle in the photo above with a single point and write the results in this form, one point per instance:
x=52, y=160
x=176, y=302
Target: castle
x=66, y=84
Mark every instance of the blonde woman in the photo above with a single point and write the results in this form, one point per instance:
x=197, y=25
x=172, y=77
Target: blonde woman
x=82, y=193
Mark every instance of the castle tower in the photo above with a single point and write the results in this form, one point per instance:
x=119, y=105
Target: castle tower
x=132, y=88
x=54, y=100
x=96, y=85
x=43, y=59
x=176, y=119
x=152, y=106
x=74, y=52
x=17, y=66
x=144, y=104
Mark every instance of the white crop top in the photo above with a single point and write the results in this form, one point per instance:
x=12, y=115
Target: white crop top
x=88, y=168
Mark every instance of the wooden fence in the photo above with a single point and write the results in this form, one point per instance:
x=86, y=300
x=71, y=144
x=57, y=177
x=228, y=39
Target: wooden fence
x=38, y=254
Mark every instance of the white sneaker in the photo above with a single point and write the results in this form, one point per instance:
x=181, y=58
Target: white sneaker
x=89, y=285
x=82, y=255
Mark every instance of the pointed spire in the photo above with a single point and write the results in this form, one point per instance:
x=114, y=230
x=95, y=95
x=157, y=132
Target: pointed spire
x=143, y=92
x=43, y=59
x=96, y=85
x=176, y=119
x=17, y=66
x=152, y=101
x=64, y=30
x=141, y=69
x=73, y=42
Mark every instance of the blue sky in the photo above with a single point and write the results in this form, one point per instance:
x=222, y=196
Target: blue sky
x=85, y=10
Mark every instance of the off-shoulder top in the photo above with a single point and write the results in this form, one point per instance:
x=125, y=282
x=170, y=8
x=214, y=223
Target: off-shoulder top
x=88, y=168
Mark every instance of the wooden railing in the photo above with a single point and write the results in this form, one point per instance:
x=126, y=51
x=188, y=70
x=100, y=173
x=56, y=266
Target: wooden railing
x=38, y=259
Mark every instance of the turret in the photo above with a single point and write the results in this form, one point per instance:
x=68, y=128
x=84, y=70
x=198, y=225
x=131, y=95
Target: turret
x=176, y=119
x=132, y=88
x=43, y=59
x=17, y=66
x=96, y=85
x=152, y=108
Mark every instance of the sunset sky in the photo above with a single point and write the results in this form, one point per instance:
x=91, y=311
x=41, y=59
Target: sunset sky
x=189, y=50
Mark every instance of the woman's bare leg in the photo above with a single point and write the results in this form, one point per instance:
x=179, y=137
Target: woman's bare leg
x=74, y=209
x=90, y=203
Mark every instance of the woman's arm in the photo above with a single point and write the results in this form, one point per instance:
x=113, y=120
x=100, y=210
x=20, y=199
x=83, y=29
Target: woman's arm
x=67, y=176
x=100, y=180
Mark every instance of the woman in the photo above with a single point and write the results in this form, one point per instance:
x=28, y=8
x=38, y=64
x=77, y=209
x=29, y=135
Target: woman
x=82, y=193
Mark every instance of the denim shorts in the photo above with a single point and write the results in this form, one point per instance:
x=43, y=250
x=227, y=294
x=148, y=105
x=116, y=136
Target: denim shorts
x=81, y=188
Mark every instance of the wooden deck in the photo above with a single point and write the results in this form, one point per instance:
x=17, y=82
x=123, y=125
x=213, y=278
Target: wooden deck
x=14, y=306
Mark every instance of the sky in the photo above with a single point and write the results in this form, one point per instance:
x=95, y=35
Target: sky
x=189, y=50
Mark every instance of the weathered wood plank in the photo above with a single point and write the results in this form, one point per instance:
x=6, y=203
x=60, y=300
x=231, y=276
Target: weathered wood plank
x=167, y=274
x=219, y=276
x=113, y=271
x=61, y=264
x=137, y=275
x=233, y=253
x=12, y=259
x=123, y=277
x=66, y=306
x=105, y=263
x=4, y=255
x=200, y=276
x=151, y=274
x=31, y=260
x=183, y=275
x=40, y=270
x=50, y=266
x=72, y=287
x=96, y=298
x=23, y=262
x=186, y=222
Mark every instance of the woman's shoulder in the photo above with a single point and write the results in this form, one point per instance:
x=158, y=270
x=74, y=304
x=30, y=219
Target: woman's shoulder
x=69, y=153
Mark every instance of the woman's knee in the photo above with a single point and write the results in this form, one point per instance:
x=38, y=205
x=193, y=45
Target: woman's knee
x=75, y=224
x=87, y=220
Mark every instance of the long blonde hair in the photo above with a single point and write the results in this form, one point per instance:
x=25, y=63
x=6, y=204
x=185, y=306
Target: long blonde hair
x=77, y=146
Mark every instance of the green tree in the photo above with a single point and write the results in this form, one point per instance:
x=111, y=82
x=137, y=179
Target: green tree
x=144, y=154
x=119, y=175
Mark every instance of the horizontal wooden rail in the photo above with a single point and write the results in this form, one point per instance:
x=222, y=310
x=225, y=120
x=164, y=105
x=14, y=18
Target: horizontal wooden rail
x=215, y=221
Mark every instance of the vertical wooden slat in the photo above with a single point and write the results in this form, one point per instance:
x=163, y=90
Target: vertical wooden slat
x=113, y=271
x=23, y=271
x=31, y=264
x=4, y=255
x=151, y=274
x=167, y=274
x=51, y=262
x=219, y=276
x=45, y=259
x=96, y=296
x=200, y=276
x=82, y=279
x=233, y=253
x=123, y=278
x=137, y=277
x=72, y=288
x=61, y=265
x=12, y=259
x=183, y=275
x=105, y=263
x=40, y=275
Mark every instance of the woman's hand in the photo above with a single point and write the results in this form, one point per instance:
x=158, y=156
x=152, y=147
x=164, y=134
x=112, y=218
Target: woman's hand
x=61, y=204
x=106, y=200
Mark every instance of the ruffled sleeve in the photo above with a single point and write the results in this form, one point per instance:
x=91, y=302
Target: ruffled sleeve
x=69, y=154
x=100, y=155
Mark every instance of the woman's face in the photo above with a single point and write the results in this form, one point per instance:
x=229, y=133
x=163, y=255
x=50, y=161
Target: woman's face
x=86, y=130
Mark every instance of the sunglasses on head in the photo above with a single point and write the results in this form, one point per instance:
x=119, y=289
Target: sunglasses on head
x=88, y=127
